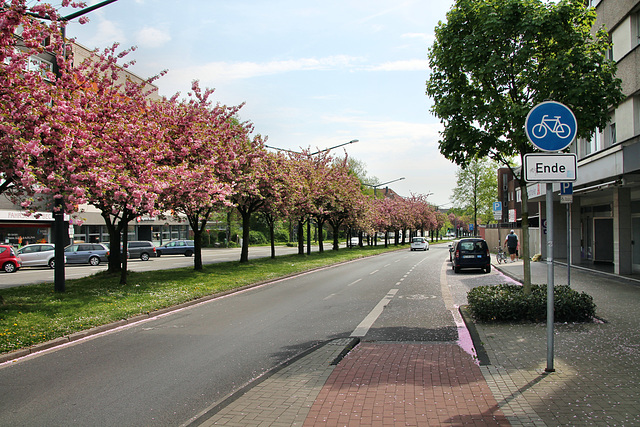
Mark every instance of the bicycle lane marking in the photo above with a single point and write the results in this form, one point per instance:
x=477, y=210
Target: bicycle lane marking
x=464, y=338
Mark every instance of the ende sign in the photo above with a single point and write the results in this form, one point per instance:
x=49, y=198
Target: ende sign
x=550, y=167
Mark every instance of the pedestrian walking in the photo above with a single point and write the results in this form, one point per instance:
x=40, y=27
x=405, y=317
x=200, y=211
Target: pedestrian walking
x=511, y=242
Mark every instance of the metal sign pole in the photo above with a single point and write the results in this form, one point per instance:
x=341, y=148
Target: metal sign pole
x=551, y=127
x=568, y=244
x=550, y=317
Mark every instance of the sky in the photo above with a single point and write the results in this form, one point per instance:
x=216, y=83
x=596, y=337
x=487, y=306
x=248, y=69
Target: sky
x=312, y=74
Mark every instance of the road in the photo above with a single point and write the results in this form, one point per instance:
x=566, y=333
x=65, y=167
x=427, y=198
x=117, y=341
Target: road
x=165, y=370
x=31, y=275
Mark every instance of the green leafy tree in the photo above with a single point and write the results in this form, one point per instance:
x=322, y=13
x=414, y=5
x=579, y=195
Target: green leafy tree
x=476, y=190
x=493, y=60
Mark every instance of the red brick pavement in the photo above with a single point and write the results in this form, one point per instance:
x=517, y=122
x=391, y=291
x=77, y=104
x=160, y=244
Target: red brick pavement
x=395, y=384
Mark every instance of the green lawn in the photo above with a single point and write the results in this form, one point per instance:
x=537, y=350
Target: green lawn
x=35, y=313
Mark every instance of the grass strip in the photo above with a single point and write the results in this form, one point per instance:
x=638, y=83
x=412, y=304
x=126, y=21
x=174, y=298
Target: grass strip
x=35, y=313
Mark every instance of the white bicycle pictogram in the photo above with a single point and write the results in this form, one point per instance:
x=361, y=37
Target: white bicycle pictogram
x=551, y=125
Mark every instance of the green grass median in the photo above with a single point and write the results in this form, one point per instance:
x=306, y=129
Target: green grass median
x=35, y=313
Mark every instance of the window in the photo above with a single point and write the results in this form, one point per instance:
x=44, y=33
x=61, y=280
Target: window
x=612, y=133
x=635, y=23
x=636, y=115
x=593, y=144
x=39, y=65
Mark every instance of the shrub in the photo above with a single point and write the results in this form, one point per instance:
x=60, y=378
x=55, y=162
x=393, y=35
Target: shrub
x=257, y=238
x=281, y=235
x=508, y=303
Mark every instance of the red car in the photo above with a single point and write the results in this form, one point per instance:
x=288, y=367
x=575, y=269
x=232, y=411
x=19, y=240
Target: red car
x=9, y=259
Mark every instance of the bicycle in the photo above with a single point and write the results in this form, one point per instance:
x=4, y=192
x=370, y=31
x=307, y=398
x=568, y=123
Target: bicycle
x=552, y=125
x=501, y=256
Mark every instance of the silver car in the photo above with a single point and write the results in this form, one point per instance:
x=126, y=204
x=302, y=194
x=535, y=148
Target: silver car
x=36, y=255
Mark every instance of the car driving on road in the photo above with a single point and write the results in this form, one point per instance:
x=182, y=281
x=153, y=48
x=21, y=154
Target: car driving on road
x=419, y=244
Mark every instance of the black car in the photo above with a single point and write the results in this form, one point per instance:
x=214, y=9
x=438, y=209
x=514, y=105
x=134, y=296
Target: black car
x=471, y=253
x=141, y=249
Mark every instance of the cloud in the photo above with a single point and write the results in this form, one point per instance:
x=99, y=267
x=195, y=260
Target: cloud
x=404, y=65
x=107, y=33
x=152, y=37
x=227, y=71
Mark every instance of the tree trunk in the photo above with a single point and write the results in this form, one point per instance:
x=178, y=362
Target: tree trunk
x=114, y=239
x=320, y=236
x=335, y=226
x=272, y=237
x=300, y=237
x=309, y=235
x=246, y=224
x=124, y=226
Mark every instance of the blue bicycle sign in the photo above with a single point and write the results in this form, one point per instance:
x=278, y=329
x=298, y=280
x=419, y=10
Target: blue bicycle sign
x=551, y=126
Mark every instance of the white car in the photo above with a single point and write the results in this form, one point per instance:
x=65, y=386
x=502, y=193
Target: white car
x=419, y=244
x=39, y=254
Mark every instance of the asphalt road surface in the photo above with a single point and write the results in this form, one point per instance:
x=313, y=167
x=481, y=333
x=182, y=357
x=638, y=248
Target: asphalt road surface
x=166, y=370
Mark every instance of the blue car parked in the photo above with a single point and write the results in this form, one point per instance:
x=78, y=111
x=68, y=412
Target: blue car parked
x=176, y=247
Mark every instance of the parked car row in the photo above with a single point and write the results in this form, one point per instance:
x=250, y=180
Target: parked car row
x=43, y=254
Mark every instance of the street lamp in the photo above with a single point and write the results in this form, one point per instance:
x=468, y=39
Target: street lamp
x=314, y=153
x=375, y=187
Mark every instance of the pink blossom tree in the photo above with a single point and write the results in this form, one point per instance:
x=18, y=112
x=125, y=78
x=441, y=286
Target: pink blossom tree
x=110, y=143
x=346, y=203
x=200, y=140
x=29, y=51
x=277, y=205
x=306, y=181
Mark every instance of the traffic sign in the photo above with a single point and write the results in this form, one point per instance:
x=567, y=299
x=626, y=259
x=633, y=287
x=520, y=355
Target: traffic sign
x=551, y=126
x=566, y=188
x=497, y=210
x=550, y=167
x=566, y=192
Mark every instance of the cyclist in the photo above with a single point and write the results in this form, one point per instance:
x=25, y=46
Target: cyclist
x=511, y=242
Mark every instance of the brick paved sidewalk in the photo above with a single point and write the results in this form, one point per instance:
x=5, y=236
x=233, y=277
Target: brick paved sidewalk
x=397, y=384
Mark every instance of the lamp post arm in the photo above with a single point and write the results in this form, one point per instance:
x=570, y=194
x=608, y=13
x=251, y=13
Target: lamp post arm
x=87, y=10
x=335, y=146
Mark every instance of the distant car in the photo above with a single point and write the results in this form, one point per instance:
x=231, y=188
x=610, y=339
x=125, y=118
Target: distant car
x=86, y=253
x=39, y=254
x=9, y=259
x=472, y=253
x=419, y=244
x=176, y=247
x=141, y=249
